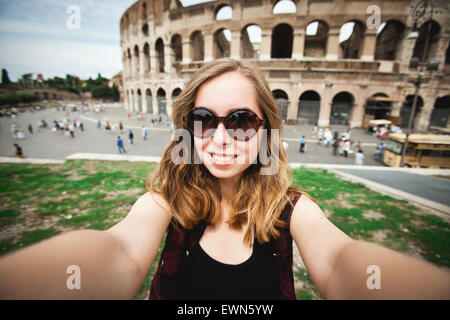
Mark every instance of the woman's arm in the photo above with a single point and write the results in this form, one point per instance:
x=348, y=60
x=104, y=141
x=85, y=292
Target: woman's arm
x=342, y=268
x=112, y=264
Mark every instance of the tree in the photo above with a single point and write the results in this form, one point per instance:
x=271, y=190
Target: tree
x=5, y=78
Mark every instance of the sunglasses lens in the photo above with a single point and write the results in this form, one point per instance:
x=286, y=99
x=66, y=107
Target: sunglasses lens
x=243, y=123
x=200, y=121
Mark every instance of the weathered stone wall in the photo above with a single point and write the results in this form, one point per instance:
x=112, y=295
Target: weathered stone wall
x=163, y=43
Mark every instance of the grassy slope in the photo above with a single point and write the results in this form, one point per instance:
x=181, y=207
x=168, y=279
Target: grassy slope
x=40, y=201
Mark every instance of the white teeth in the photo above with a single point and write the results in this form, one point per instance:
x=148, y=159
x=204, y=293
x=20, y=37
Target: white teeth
x=220, y=158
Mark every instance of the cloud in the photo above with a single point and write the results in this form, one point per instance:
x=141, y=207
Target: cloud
x=35, y=38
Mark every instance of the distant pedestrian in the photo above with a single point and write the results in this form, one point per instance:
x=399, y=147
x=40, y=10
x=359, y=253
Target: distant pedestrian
x=359, y=157
x=99, y=123
x=302, y=144
x=121, y=127
x=30, y=128
x=144, y=133
x=335, y=147
x=328, y=136
x=120, y=145
x=159, y=118
x=336, y=135
x=19, y=152
x=314, y=132
x=71, y=130
x=81, y=126
x=346, y=148
x=319, y=135
x=130, y=136
x=379, y=154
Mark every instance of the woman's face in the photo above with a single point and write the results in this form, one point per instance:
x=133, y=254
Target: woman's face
x=220, y=153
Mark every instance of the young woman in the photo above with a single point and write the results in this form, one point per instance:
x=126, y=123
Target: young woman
x=230, y=219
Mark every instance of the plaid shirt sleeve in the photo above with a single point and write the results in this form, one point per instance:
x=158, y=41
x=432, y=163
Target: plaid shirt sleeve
x=283, y=254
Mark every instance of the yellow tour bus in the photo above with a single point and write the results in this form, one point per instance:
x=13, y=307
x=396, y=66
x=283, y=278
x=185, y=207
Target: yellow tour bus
x=424, y=150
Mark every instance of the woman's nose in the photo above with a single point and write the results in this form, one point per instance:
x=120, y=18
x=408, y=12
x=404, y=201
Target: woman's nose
x=221, y=135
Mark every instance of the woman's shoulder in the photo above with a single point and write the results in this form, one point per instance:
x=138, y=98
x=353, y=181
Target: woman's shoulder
x=151, y=201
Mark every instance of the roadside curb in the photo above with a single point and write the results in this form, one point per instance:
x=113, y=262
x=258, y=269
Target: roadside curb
x=436, y=208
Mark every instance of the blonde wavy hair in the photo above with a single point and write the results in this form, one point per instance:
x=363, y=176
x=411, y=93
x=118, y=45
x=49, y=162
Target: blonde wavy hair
x=193, y=193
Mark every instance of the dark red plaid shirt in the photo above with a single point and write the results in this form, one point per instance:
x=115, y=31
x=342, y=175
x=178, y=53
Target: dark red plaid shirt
x=179, y=242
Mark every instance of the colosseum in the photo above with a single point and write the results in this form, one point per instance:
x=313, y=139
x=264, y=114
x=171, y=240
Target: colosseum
x=328, y=62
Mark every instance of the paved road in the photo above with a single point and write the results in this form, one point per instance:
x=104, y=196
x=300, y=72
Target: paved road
x=49, y=145
x=428, y=187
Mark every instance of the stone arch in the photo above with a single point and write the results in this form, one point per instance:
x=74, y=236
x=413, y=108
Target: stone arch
x=139, y=96
x=406, y=110
x=162, y=102
x=441, y=112
x=316, y=37
x=284, y=7
x=223, y=11
x=136, y=57
x=144, y=11
x=197, y=46
x=432, y=28
x=145, y=29
x=282, y=40
x=175, y=93
x=389, y=34
x=176, y=46
x=159, y=47
x=147, y=57
x=222, y=43
x=149, y=100
x=251, y=36
x=282, y=100
x=341, y=108
x=351, y=43
x=379, y=105
x=308, y=108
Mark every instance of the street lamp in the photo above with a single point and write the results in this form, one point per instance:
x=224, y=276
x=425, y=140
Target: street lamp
x=419, y=11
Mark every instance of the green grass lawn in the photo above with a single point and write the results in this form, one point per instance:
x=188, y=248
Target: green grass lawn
x=40, y=201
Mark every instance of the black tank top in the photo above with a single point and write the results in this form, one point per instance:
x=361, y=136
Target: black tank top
x=204, y=278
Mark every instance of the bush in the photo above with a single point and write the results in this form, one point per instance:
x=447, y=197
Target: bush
x=13, y=98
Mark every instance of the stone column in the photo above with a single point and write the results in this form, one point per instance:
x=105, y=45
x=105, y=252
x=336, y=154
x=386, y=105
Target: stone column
x=358, y=109
x=209, y=47
x=423, y=117
x=299, y=45
x=333, y=44
x=141, y=63
x=266, y=42
x=155, y=103
x=167, y=58
x=153, y=64
x=369, y=45
x=144, y=101
x=396, y=108
x=235, y=45
x=186, y=43
x=325, y=107
x=136, y=100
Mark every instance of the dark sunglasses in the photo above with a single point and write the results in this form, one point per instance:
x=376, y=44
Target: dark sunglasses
x=241, y=124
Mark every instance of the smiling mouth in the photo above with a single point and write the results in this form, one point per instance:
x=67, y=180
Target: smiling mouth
x=222, y=157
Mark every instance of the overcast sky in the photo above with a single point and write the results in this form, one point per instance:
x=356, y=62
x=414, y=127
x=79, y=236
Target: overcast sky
x=35, y=37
